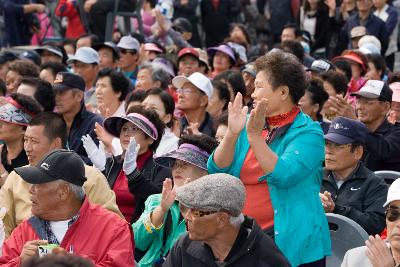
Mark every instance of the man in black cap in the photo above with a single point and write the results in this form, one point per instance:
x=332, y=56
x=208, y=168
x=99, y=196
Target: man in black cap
x=108, y=55
x=62, y=216
x=348, y=187
x=69, y=90
x=50, y=54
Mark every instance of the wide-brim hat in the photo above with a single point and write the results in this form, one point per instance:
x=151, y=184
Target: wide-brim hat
x=114, y=124
x=188, y=153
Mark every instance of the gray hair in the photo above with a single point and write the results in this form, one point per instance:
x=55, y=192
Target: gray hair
x=236, y=220
x=157, y=74
x=78, y=191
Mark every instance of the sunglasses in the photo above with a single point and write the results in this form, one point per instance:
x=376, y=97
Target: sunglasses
x=125, y=51
x=196, y=213
x=392, y=214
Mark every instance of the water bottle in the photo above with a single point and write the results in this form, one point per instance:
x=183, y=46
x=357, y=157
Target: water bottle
x=166, y=8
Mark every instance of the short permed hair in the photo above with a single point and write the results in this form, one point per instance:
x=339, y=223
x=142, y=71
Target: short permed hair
x=24, y=68
x=152, y=116
x=202, y=141
x=119, y=83
x=44, y=93
x=283, y=69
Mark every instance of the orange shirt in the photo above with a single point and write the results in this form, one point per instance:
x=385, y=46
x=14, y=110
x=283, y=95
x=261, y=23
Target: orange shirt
x=258, y=202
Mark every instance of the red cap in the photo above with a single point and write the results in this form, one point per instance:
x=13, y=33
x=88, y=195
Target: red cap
x=188, y=51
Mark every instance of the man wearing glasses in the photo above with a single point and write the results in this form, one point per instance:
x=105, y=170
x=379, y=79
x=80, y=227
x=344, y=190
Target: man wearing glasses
x=349, y=188
x=194, y=93
x=381, y=253
x=217, y=231
x=129, y=57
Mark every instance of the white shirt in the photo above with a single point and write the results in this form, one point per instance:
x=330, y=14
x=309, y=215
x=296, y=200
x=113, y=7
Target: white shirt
x=59, y=229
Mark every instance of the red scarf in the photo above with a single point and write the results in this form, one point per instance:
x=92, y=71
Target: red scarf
x=283, y=119
x=142, y=159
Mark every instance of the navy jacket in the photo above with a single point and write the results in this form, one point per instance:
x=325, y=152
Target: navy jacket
x=17, y=24
x=375, y=26
x=360, y=198
x=383, y=148
x=83, y=124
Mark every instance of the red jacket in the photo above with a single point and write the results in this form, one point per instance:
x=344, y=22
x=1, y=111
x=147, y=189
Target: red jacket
x=75, y=29
x=98, y=235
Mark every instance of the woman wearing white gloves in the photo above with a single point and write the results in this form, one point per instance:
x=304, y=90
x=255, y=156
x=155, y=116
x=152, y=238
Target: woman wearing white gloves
x=133, y=175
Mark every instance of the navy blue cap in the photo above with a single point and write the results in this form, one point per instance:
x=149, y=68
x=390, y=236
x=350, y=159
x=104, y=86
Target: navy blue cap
x=7, y=56
x=67, y=81
x=346, y=131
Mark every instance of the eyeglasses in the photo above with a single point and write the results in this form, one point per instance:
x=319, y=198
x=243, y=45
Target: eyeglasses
x=125, y=51
x=175, y=164
x=196, y=213
x=331, y=145
x=130, y=129
x=366, y=101
x=392, y=214
x=185, y=91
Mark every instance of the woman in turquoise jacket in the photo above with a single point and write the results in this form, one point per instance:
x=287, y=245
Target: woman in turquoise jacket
x=289, y=149
x=161, y=223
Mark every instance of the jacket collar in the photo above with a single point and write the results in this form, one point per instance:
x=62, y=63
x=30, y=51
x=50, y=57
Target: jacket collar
x=360, y=172
x=384, y=127
x=201, y=251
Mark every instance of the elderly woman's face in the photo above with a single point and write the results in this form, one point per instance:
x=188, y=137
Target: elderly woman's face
x=10, y=132
x=144, y=80
x=263, y=89
x=181, y=171
x=129, y=130
x=221, y=61
x=105, y=94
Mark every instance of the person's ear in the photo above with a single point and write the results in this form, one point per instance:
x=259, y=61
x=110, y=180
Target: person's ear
x=222, y=219
x=358, y=153
x=63, y=191
x=315, y=108
x=56, y=144
x=156, y=84
x=203, y=100
x=284, y=92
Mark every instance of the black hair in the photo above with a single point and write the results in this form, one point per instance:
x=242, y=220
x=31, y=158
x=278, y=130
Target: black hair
x=235, y=79
x=282, y=68
x=119, y=83
x=152, y=3
x=344, y=66
x=202, y=141
x=223, y=92
x=167, y=100
x=354, y=146
x=293, y=47
x=297, y=31
x=27, y=103
x=93, y=38
x=135, y=96
x=3, y=88
x=44, y=93
x=337, y=80
x=54, y=126
x=57, y=260
x=317, y=94
x=54, y=67
x=152, y=116
x=245, y=32
x=222, y=120
x=379, y=62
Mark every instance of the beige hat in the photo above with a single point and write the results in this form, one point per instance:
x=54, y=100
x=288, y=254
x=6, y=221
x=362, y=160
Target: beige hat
x=358, y=31
x=203, y=57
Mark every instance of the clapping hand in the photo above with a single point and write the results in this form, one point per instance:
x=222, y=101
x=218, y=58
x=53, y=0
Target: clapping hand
x=256, y=122
x=327, y=202
x=237, y=115
x=378, y=252
x=341, y=107
x=96, y=154
x=168, y=195
x=131, y=154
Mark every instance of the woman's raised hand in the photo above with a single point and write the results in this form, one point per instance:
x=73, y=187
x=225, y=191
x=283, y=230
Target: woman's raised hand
x=237, y=115
x=167, y=196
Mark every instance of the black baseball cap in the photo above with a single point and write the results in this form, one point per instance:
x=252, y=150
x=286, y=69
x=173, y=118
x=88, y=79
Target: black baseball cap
x=110, y=45
x=346, y=131
x=66, y=81
x=7, y=56
x=57, y=165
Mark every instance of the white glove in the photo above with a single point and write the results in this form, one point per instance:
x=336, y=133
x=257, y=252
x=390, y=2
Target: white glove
x=95, y=154
x=131, y=154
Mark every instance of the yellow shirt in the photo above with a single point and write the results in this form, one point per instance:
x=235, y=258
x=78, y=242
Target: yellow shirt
x=14, y=196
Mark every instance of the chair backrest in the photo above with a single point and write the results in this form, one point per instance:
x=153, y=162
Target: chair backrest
x=389, y=176
x=345, y=234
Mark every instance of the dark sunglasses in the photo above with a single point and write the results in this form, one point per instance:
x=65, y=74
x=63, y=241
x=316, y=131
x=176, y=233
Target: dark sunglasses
x=125, y=51
x=392, y=214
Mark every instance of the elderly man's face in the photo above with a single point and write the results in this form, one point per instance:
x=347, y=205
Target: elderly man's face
x=191, y=98
x=393, y=225
x=371, y=110
x=44, y=198
x=339, y=158
x=201, y=227
x=188, y=65
x=144, y=80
